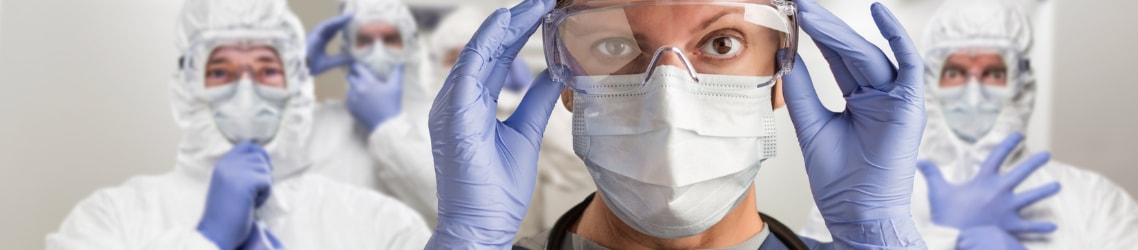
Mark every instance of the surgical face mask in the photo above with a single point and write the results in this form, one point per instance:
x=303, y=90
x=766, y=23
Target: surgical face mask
x=246, y=111
x=672, y=157
x=971, y=110
x=379, y=58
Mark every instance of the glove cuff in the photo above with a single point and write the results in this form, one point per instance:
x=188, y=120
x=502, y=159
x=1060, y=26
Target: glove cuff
x=877, y=234
x=457, y=235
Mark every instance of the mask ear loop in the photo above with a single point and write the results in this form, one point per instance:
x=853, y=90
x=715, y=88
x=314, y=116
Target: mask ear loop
x=656, y=59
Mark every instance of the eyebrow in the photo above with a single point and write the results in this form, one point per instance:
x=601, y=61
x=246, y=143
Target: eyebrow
x=266, y=59
x=219, y=60
x=716, y=18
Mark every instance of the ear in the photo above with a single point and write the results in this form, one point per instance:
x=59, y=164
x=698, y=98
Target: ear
x=567, y=99
x=776, y=95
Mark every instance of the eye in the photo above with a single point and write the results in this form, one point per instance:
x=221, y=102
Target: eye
x=952, y=73
x=217, y=74
x=723, y=46
x=270, y=72
x=615, y=47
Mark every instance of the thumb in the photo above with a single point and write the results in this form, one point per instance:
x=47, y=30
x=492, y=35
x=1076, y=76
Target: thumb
x=801, y=99
x=533, y=113
x=932, y=174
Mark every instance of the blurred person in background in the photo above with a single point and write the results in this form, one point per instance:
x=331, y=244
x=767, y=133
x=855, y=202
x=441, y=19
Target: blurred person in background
x=377, y=136
x=244, y=99
x=981, y=92
x=562, y=178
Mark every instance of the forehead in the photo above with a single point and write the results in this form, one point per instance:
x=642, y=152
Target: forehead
x=976, y=57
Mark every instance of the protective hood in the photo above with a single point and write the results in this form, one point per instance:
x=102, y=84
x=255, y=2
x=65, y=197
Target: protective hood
x=418, y=94
x=202, y=21
x=998, y=25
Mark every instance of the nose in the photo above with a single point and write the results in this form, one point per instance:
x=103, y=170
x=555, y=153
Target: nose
x=671, y=56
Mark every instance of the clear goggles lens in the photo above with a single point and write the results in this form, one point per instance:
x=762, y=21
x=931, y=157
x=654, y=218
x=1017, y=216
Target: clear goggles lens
x=751, y=38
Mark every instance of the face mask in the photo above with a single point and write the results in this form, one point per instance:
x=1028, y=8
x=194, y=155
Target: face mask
x=972, y=109
x=379, y=58
x=246, y=111
x=672, y=157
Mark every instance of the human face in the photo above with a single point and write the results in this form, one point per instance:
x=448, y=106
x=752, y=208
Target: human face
x=987, y=68
x=372, y=32
x=228, y=64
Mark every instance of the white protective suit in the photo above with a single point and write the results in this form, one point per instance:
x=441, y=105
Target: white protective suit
x=305, y=211
x=1090, y=211
x=562, y=178
x=395, y=158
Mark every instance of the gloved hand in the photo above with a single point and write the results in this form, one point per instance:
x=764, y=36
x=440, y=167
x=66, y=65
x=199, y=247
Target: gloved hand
x=987, y=199
x=318, y=60
x=486, y=169
x=372, y=100
x=519, y=78
x=261, y=239
x=239, y=184
x=987, y=238
x=861, y=161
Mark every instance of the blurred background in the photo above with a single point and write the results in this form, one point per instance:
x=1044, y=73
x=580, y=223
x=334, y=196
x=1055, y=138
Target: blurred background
x=85, y=99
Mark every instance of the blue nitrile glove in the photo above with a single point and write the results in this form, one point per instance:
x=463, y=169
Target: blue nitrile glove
x=240, y=183
x=318, y=60
x=486, y=169
x=519, y=78
x=861, y=161
x=372, y=100
x=987, y=199
x=987, y=238
x=261, y=239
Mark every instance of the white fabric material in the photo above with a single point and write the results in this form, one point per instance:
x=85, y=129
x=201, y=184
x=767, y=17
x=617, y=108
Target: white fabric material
x=305, y=211
x=395, y=158
x=244, y=115
x=673, y=156
x=1090, y=211
x=456, y=29
x=202, y=143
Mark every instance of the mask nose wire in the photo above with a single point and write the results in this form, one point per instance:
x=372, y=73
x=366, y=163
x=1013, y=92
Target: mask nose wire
x=656, y=59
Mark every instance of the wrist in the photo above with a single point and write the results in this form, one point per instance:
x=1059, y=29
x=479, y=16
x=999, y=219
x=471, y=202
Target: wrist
x=887, y=233
x=457, y=235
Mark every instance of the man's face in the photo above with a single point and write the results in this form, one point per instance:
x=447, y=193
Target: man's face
x=372, y=32
x=228, y=64
x=987, y=68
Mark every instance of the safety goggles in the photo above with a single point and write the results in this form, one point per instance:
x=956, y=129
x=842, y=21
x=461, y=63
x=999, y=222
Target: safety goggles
x=589, y=42
x=194, y=64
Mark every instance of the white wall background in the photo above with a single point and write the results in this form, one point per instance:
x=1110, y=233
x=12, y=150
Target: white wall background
x=85, y=101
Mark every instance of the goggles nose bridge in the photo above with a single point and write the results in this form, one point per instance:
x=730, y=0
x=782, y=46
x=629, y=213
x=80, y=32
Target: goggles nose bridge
x=679, y=53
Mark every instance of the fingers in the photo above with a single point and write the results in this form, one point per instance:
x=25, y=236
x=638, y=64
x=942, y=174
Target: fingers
x=533, y=112
x=933, y=176
x=839, y=68
x=523, y=22
x=1031, y=196
x=1014, y=177
x=320, y=63
x=360, y=74
x=317, y=42
x=868, y=65
x=910, y=66
x=474, y=61
x=801, y=99
x=1031, y=227
x=992, y=164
